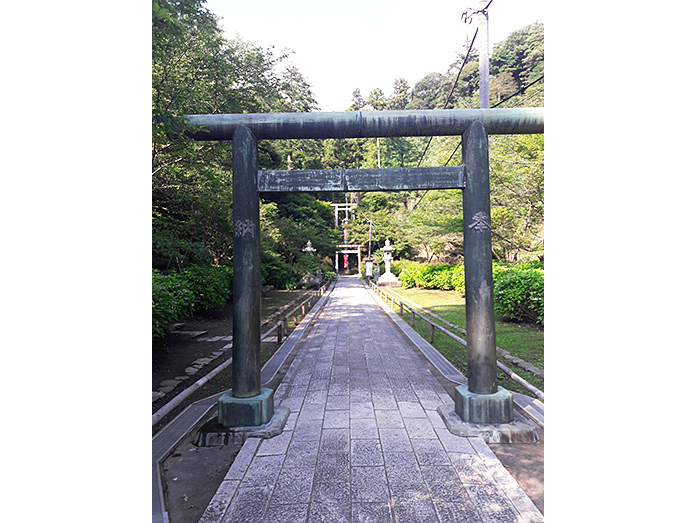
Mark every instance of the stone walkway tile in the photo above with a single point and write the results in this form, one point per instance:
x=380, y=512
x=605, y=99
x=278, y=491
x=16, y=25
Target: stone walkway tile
x=457, y=512
x=307, y=429
x=217, y=506
x=388, y=419
x=316, y=397
x=294, y=403
x=445, y=398
x=395, y=440
x=302, y=453
x=247, y=505
x=415, y=512
x=384, y=401
x=369, y=484
x=243, y=459
x=411, y=409
x=290, y=422
x=401, y=460
x=333, y=467
x=276, y=445
x=430, y=452
x=453, y=443
x=338, y=387
x=308, y=412
x=435, y=419
x=470, y=468
x=337, y=402
x=405, y=483
x=294, y=485
x=371, y=513
x=363, y=428
x=296, y=513
x=366, y=453
x=336, y=419
x=419, y=428
x=362, y=410
x=360, y=396
x=444, y=484
x=262, y=471
x=335, y=440
x=493, y=506
x=430, y=402
x=331, y=502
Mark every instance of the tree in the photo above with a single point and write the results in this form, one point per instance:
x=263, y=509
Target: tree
x=502, y=85
x=196, y=70
x=517, y=195
x=520, y=54
x=377, y=99
x=401, y=95
x=357, y=102
x=430, y=92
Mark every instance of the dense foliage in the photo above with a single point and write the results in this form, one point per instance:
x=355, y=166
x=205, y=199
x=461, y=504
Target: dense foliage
x=518, y=288
x=177, y=294
x=195, y=69
x=519, y=294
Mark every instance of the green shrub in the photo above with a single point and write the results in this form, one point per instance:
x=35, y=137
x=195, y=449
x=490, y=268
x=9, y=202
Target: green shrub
x=177, y=295
x=170, y=252
x=211, y=286
x=274, y=271
x=328, y=275
x=518, y=289
x=397, y=267
x=171, y=300
x=457, y=279
x=407, y=278
x=519, y=294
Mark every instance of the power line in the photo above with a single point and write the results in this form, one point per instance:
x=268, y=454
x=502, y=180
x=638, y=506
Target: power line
x=519, y=91
x=452, y=89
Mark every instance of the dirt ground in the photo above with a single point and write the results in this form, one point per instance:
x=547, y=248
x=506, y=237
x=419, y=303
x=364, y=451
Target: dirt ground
x=191, y=475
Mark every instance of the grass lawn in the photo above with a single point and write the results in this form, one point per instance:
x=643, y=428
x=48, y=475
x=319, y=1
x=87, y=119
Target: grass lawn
x=520, y=339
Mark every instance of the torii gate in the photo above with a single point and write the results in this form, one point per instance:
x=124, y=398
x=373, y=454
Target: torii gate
x=247, y=403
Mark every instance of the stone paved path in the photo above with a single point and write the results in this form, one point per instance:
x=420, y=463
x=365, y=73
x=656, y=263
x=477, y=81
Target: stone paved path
x=364, y=441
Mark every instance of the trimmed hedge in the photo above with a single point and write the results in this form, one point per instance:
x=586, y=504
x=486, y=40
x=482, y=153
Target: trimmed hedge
x=443, y=277
x=176, y=295
x=519, y=295
x=518, y=290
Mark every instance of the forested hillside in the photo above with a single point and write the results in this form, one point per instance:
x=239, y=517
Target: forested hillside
x=197, y=70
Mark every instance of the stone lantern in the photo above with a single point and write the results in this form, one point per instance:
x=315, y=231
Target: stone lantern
x=388, y=279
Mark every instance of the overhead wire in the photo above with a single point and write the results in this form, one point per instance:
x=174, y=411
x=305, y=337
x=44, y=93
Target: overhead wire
x=452, y=90
x=467, y=18
x=519, y=91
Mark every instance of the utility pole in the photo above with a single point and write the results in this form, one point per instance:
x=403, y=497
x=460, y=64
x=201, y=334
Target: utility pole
x=483, y=55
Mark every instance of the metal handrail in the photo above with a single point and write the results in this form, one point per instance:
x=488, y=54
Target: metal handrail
x=433, y=325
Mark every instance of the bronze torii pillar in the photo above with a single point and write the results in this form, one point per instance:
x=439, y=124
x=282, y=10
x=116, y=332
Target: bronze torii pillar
x=482, y=401
x=246, y=403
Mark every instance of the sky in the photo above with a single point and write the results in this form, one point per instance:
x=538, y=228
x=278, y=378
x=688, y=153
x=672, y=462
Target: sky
x=367, y=44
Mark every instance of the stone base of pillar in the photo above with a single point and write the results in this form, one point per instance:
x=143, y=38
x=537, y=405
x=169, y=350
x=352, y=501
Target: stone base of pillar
x=484, y=408
x=388, y=280
x=520, y=430
x=245, y=412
